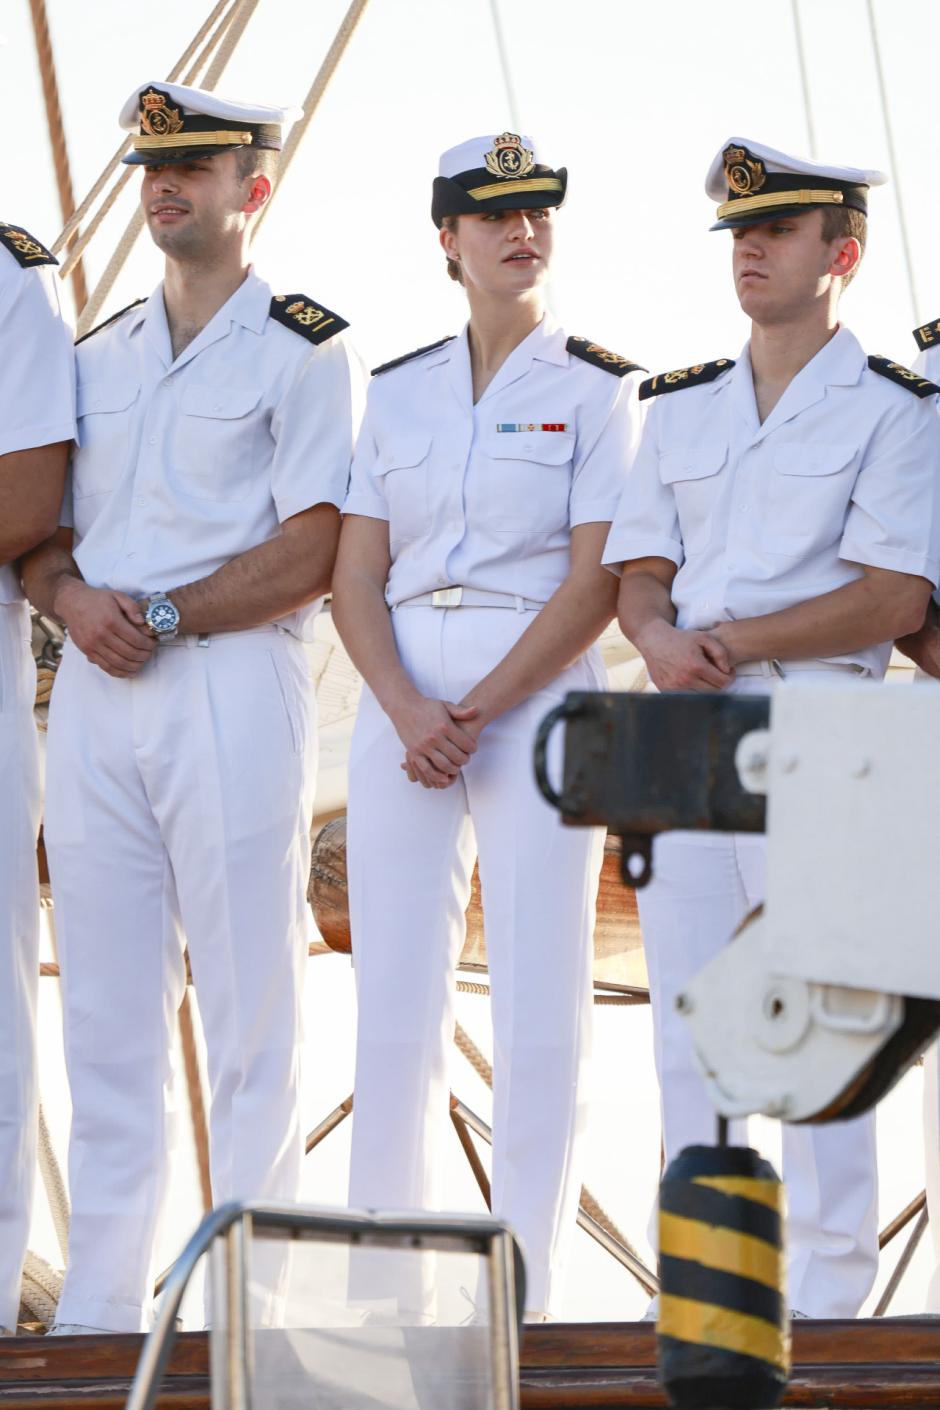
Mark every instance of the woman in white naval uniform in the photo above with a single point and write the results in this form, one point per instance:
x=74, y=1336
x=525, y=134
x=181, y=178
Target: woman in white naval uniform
x=469, y=592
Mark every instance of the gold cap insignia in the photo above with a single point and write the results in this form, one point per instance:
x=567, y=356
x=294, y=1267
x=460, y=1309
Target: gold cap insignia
x=157, y=117
x=508, y=157
x=745, y=174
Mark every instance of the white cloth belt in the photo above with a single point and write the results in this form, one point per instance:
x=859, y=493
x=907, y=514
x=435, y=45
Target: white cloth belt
x=470, y=597
x=203, y=638
x=782, y=669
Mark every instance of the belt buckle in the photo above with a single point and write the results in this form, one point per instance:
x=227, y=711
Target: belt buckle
x=446, y=597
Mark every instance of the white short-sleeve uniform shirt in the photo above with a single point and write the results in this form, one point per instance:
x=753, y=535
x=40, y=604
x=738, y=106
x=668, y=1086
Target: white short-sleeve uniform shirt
x=183, y=465
x=485, y=496
x=37, y=386
x=844, y=472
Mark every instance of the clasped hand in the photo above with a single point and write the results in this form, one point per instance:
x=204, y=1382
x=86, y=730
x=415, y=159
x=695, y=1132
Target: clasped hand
x=678, y=659
x=439, y=738
x=108, y=627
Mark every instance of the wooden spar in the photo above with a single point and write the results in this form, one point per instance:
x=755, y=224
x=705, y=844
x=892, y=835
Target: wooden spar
x=60, y=151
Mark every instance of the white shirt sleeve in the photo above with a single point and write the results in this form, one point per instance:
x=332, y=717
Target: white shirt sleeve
x=37, y=388
x=608, y=438
x=646, y=524
x=313, y=429
x=366, y=489
x=894, y=517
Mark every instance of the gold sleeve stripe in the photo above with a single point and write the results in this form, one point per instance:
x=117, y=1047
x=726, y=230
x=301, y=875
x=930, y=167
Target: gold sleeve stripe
x=745, y=204
x=725, y=1250
x=505, y=188
x=193, y=139
x=764, y=1192
x=705, y=1325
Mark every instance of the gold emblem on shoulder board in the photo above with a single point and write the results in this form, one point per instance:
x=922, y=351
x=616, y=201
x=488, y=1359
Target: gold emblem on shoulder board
x=745, y=174
x=25, y=244
x=157, y=117
x=508, y=157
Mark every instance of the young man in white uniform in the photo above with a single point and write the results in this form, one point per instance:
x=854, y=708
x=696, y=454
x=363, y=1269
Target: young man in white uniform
x=781, y=518
x=37, y=423
x=215, y=435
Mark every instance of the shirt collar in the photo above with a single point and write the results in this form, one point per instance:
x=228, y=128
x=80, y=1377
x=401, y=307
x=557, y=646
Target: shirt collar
x=546, y=342
x=248, y=306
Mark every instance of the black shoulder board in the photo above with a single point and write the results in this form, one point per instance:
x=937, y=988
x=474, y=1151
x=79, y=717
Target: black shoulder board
x=108, y=321
x=600, y=357
x=24, y=249
x=418, y=352
x=928, y=336
x=904, y=377
x=684, y=377
x=311, y=320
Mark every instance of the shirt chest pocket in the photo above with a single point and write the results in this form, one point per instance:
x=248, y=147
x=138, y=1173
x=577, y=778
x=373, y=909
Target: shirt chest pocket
x=521, y=483
x=692, y=474
x=402, y=473
x=808, y=493
x=218, y=442
x=105, y=412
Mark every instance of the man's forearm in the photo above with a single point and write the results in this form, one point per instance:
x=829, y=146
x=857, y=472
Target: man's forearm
x=864, y=613
x=259, y=586
x=45, y=572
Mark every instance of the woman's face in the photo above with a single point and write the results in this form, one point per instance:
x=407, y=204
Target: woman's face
x=502, y=252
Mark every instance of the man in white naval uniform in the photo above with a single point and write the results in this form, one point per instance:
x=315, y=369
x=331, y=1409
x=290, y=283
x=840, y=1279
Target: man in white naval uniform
x=781, y=517
x=215, y=436
x=37, y=423
x=923, y=647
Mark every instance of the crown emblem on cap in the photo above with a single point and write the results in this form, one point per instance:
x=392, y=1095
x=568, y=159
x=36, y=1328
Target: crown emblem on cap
x=157, y=117
x=744, y=173
x=508, y=156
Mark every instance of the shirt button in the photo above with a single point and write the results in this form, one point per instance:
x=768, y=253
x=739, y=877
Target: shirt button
x=168, y=381
x=152, y=440
x=139, y=500
x=130, y=555
x=743, y=508
x=442, y=582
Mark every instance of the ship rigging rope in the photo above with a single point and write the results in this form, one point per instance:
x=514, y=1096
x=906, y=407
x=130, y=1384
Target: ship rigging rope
x=60, y=151
x=178, y=68
x=40, y=1290
x=54, y=1185
x=317, y=89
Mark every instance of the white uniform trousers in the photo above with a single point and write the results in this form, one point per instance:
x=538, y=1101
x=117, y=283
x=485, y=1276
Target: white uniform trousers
x=178, y=809
x=703, y=886
x=411, y=855
x=19, y=947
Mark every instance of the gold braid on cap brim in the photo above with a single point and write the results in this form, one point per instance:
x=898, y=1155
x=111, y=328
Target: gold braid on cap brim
x=511, y=188
x=778, y=199
x=194, y=139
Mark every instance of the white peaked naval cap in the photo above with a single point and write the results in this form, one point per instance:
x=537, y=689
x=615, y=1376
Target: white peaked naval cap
x=175, y=123
x=754, y=182
x=502, y=172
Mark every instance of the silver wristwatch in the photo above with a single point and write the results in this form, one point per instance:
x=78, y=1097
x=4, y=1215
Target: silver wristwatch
x=161, y=616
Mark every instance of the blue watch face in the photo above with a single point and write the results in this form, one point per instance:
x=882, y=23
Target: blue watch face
x=163, y=617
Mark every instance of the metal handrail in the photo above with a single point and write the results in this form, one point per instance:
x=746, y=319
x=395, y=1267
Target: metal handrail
x=237, y=1221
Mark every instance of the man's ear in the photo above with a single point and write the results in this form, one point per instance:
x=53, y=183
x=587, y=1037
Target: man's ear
x=847, y=258
x=259, y=195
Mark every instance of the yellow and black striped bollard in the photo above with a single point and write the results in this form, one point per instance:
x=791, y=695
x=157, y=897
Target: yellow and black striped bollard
x=724, y=1329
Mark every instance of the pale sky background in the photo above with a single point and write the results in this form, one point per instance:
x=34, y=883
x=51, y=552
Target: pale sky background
x=635, y=98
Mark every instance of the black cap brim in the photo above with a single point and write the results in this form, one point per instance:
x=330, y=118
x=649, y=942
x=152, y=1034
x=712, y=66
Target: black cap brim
x=449, y=197
x=175, y=156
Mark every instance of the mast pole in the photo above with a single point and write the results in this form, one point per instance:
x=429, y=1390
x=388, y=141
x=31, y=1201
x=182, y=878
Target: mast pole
x=892, y=163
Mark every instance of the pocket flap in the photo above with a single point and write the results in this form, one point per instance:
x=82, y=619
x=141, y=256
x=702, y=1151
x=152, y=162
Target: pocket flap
x=692, y=462
x=403, y=452
x=220, y=403
x=541, y=447
x=812, y=459
x=114, y=394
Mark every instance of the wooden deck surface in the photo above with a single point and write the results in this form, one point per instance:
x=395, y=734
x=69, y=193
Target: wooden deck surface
x=870, y=1365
